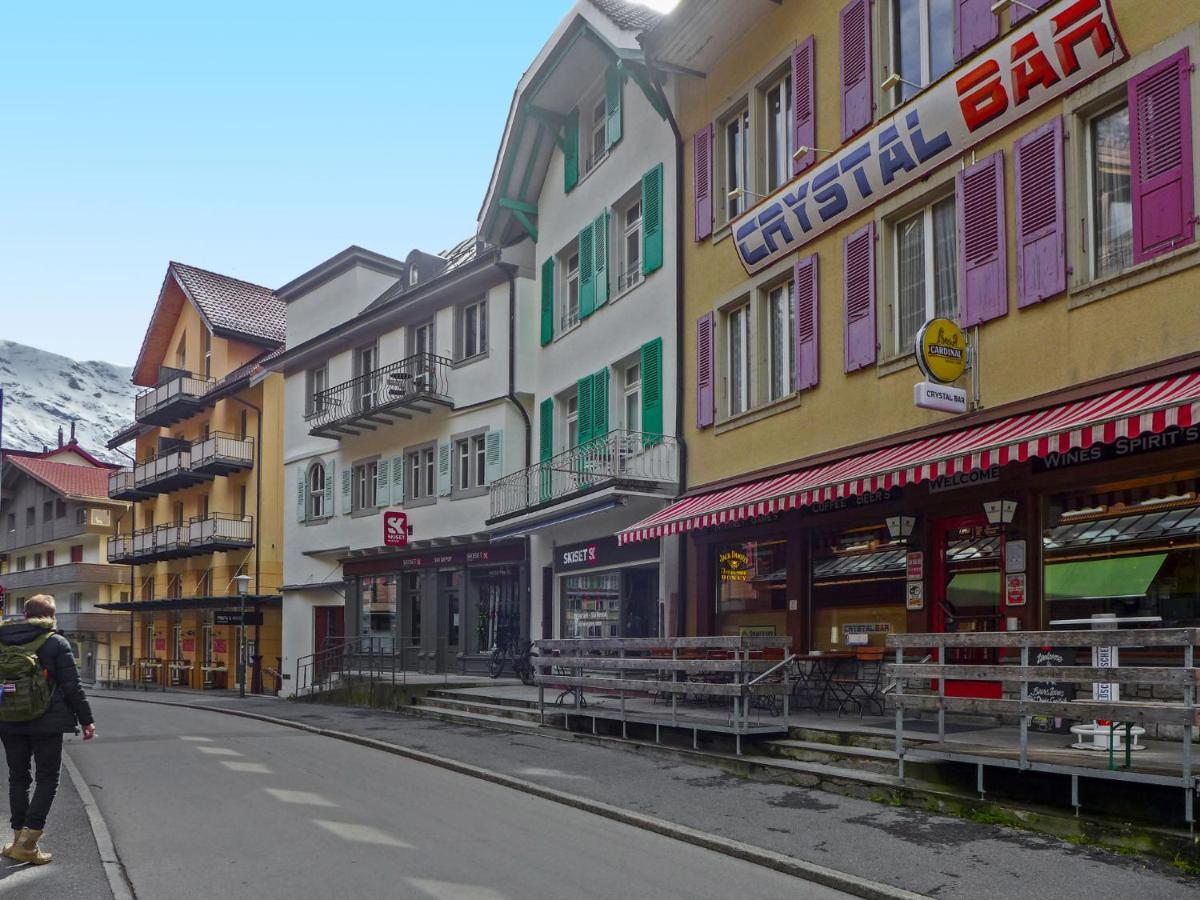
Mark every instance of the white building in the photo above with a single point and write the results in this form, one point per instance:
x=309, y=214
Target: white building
x=586, y=179
x=401, y=396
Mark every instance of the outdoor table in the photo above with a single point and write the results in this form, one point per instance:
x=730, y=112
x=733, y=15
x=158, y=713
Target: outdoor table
x=823, y=666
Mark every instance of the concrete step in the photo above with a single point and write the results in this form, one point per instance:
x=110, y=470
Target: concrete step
x=491, y=699
x=483, y=707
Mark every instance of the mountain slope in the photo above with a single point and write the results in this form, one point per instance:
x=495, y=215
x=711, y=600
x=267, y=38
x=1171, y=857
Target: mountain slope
x=43, y=390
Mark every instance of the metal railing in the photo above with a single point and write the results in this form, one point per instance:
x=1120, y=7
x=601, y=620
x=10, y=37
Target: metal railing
x=618, y=456
x=122, y=484
x=220, y=528
x=174, y=386
x=630, y=277
x=375, y=659
x=1107, y=722
x=220, y=449
x=422, y=376
x=172, y=539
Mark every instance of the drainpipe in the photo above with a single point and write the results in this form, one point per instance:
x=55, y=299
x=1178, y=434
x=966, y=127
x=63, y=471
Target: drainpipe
x=511, y=396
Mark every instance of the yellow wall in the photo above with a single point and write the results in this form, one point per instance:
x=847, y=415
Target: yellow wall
x=1026, y=353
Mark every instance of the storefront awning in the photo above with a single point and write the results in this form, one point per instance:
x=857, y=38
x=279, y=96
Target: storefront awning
x=1094, y=579
x=171, y=604
x=1130, y=412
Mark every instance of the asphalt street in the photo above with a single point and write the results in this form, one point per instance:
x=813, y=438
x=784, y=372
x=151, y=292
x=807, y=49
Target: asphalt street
x=202, y=805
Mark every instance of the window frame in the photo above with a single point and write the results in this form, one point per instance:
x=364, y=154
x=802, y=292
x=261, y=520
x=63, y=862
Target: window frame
x=781, y=77
x=925, y=209
x=425, y=456
x=315, y=497
x=885, y=21
x=316, y=380
x=767, y=292
x=478, y=308
x=364, y=485
x=568, y=321
x=428, y=328
x=631, y=389
x=742, y=307
x=468, y=453
x=629, y=275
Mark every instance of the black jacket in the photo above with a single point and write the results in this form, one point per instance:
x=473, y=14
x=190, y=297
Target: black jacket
x=69, y=705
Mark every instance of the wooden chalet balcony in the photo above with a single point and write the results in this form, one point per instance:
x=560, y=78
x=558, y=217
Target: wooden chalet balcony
x=196, y=537
x=179, y=394
x=415, y=384
x=182, y=465
x=619, y=458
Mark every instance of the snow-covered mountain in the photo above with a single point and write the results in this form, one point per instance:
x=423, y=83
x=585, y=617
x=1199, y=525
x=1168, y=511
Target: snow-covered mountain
x=43, y=390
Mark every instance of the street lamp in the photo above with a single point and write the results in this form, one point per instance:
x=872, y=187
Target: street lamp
x=243, y=585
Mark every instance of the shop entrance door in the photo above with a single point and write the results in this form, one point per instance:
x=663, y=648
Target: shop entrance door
x=450, y=607
x=965, y=592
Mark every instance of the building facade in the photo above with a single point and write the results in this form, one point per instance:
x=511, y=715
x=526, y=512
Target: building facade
x=205, y=486
x=855, y=170
x=403, y=398
x=584, y=186
x=57, y=516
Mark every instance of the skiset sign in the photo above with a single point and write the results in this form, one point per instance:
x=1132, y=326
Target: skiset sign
x=1065, y=45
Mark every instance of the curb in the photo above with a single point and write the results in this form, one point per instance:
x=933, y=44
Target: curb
x=113, y=869
x=811, y=872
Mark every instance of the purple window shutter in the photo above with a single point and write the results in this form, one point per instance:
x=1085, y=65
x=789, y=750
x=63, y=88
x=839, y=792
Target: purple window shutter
x=808, y=366
x=857, y=89
x=1041, y=214
x=858, y=278
x=1160, y=159
x=982, y=267
x=705, y=401
x=975, y=25
x=1017, y=13
x=804, y=100
x=702, y=180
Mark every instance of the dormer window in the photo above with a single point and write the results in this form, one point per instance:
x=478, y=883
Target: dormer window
x=412, y=276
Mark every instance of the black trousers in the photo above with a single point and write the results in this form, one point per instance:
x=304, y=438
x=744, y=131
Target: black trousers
x=45, y=751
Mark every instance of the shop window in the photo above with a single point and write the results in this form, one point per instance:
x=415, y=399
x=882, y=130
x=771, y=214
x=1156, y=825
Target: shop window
x=377, y=612
x=495, y=597
x=925, y=270
x=922, y=44
x=413, y=598
x=751, y=580
x=450, y=593
x=1111, y=209
x=592, y=606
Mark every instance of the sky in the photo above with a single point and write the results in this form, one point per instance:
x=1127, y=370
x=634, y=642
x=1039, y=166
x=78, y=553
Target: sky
x=255, y=139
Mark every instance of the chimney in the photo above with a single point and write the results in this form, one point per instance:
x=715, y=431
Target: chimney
x=60, y=437
x=73, y=441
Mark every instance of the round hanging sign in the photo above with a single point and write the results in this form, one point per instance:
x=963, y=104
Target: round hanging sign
x=941, y=349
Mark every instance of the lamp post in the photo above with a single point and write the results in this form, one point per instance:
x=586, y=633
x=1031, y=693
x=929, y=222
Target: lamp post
x=243, y=584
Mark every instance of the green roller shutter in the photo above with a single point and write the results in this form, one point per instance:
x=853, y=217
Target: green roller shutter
x=587, y=280
x=548, y=300
x=612, y=100
x=600, y=242
x=571, y=152
x=600, y=404
x=546, y=423
x=652, y=220
x=652, y=394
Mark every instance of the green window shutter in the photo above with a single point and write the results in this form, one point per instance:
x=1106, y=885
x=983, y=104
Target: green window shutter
x=301, y=493
x=546, y=423
x=652, y=220
x=330, y=467
x=397, y=480
x=443, y=470
x=382, y=483
x=600, y=242
x=612, y=100
x=600, y=403
x=584, y=393
x=347, y=491
x=587, y=280
x=493, y=454
x=571, y=152
x=548, y=300
x=652, y=395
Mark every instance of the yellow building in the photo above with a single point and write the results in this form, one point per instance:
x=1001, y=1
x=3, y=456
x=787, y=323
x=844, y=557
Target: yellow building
x=206, y=484
x=855, y=169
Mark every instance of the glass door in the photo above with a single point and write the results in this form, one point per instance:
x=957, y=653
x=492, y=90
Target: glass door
x=450, y=597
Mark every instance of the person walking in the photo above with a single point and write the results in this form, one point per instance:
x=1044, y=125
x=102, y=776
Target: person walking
x=40, y=701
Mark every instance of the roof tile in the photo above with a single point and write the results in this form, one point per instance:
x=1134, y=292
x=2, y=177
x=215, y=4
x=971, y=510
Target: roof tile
x=234, y=305
x=74, y=481
x=627, y=16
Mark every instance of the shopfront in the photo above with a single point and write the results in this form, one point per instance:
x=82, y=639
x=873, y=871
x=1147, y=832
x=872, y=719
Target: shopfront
x=439, y=610
x=608, y=591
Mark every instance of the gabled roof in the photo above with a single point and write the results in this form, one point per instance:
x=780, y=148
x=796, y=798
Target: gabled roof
x=231, y=307
x=84, y=482
x=627, y=16
x=334, y=266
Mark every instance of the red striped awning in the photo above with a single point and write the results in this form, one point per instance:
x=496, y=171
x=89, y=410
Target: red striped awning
x=1130, y=412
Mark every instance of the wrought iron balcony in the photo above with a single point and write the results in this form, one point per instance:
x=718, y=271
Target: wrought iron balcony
x=222, y=454
x=412, y=385
x=619, y=458
x=123, y=486
x=179, y=394
x=176, y=540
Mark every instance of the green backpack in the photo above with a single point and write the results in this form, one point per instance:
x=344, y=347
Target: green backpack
x=24, y=691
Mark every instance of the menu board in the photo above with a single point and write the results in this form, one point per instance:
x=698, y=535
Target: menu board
x=1051, y=691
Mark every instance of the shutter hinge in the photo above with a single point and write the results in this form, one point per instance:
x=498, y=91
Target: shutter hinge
x=1070, y=270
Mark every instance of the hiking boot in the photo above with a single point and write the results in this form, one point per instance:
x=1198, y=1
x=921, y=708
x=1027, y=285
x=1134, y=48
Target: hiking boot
x=26, y=848
x=7, y=851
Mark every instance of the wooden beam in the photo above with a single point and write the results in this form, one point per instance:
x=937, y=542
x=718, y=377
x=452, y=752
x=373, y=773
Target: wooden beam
x=650, y=92
x=530, y=228
x=518, y=205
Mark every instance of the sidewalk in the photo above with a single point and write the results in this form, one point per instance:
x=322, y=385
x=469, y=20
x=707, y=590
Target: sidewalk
x=922, y=852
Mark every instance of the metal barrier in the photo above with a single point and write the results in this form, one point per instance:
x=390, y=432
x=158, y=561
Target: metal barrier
x=376, y=660
x=1119, y=714
x=729, y=669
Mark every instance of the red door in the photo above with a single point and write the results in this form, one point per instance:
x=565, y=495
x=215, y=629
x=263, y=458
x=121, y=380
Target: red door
x=328, y=632
x=965, y=589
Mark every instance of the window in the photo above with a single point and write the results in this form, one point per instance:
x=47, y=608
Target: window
x=364, y=486
x=31, y=517
x=181, y=353
x=37, y=560
x=413, y=275
x=202, y=506
x=204, y=583
x=926, y=267
x=49, y=559
x=317, y=381
x=422, y=338
x=922, y=43
x=630, y=250
x=572, y=421
x=20, y=564
x=570, y=292
x=735, y=137
x=1111, y=209
x=81, y=516
x=632, y=390
x=316, y=491
x=177, y=514
x=366, y=360
x=244, y=424
x=596, y=140
x=778, y=114
x=781, y=336
x=471, y=462
x=420, y=477
x=75, y=601
x=739, y=371
x=175, y=585
x=60, y=509
x=207, y=348
x=48, y=512
x=242, y=500
x=473, y=328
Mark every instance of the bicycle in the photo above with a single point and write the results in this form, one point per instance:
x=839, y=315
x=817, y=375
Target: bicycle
x=522, y=662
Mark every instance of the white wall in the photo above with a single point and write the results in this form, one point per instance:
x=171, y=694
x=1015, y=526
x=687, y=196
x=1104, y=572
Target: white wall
x=334, y=302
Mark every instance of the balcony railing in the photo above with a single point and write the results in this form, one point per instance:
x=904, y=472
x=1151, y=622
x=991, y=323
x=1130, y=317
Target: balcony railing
x=630, y=277
x=381, y=397
x=171, y=470
x=619, y=457
x=220, y=531
x=123, y=486
x=175, y=540
x=222, y=454
x=182, y=466
x=179, y=393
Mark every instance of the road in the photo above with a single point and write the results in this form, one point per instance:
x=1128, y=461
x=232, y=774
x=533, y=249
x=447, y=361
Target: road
x=203, y=805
